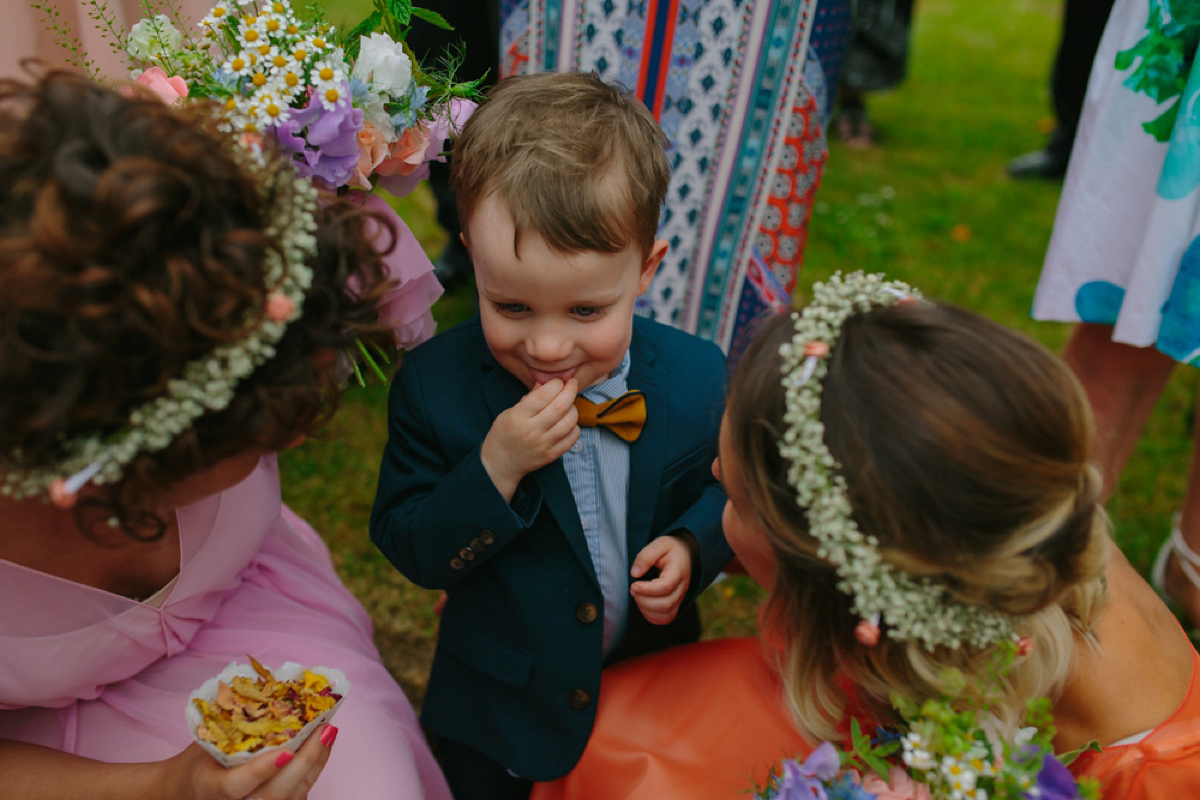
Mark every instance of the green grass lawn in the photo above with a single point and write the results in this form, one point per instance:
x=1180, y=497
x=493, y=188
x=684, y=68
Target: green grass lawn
x=931, y=205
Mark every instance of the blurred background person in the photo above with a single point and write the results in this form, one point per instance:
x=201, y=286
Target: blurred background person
x=1082, y=24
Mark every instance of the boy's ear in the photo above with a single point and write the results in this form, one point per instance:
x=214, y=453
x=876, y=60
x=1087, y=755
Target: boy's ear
x=657, y=251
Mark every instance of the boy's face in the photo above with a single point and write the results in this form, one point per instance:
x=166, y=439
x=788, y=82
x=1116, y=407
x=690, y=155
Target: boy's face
x=549, y=315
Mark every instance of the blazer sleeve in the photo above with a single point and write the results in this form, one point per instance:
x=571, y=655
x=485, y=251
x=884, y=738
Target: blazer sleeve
x=705, y=403
x=703, y=521
x=437, y=515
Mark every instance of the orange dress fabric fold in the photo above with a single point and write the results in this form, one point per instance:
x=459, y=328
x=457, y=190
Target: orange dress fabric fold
x=702, y=721
x=1165, y=764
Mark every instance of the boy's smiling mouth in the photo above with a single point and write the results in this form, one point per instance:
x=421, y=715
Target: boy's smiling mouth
x=545, y=376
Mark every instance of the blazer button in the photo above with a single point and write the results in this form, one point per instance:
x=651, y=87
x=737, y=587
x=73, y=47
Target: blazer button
x=586, y=612
x=578, y=698
x=477, y=545
x=457, y=563
x=466, y=554
x=487, y=537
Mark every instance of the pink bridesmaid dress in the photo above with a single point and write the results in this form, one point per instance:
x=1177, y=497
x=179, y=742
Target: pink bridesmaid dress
x=108, y=677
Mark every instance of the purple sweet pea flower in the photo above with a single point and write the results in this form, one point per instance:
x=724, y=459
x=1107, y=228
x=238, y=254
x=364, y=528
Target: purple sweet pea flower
x=807, y=781
x=323, y=142
x=1054, y=782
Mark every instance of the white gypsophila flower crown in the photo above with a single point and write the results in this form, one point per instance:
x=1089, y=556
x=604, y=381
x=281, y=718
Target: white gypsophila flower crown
x=206, y=384
x=912, y=608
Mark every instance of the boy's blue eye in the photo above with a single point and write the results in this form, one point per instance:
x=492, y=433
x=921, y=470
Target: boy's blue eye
x=585, y=311
x=510, y=308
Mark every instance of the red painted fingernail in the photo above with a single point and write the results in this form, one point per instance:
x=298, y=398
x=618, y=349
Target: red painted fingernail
x=284, y=759
x=328, y=735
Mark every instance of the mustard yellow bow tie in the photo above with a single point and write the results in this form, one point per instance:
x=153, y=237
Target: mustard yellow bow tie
x=624, y=415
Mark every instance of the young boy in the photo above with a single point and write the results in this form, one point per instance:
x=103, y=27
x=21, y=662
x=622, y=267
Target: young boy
x=556, y=544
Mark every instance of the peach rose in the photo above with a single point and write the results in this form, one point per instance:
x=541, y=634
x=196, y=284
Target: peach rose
x=373, y=150
x=407, y=153
x=168, y=89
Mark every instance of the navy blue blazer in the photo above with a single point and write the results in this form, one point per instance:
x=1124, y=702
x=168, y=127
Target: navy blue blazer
x=516, y=672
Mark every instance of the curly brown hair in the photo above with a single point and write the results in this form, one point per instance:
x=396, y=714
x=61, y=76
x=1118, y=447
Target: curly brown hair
x=131, y=243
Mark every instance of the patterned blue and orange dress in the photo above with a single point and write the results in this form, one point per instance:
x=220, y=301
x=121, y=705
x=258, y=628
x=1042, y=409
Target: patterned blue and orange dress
x=1126, y=244
x=740, y=88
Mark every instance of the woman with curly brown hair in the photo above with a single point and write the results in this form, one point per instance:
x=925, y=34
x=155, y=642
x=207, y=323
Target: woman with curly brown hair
x=170, y=304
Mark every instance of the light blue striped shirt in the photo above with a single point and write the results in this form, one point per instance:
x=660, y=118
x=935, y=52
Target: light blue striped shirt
x=598, y=471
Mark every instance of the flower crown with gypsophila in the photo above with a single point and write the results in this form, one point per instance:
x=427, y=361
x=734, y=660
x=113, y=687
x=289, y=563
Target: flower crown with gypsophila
x=919, y=609
x=207, y=383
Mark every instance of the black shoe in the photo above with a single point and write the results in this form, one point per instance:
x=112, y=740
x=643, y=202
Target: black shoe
x=1041, y=164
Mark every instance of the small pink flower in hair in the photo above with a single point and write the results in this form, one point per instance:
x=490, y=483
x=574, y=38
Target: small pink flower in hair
x=867, y=631
x=279, y=307
x=816, y=349
x=251, y=141
x=60, y=495
x=907, y=300
x=1024, y=646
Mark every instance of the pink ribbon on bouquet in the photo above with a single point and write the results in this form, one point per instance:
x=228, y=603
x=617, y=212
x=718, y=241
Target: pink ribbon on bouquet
x=406, y=306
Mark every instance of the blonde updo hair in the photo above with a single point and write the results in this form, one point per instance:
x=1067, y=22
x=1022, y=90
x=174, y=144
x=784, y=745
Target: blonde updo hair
x=965, y=447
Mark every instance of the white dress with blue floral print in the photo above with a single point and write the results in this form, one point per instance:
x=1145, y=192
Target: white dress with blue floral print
x=1126, y=244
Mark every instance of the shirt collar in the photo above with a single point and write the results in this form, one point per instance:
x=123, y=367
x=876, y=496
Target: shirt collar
x=611, y=387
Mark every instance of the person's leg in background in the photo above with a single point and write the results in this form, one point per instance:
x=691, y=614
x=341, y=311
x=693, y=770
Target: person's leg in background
x=1123, y=384
x=1082, y=26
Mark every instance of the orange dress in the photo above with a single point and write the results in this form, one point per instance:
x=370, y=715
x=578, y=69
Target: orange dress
x=708, y=721
x=1165, y=764
x=701, y=721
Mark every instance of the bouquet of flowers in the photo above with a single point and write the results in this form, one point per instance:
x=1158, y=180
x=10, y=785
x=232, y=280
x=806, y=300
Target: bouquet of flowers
x=349, y=106
x=354, y=109
x=938, y=751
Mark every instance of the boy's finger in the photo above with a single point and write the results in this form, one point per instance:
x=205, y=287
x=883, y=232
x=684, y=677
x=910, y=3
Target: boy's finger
x=565, y=434
x=659, y=587
x=542, y=395
x=648, y=557
x=559, y=409
x=659, y=611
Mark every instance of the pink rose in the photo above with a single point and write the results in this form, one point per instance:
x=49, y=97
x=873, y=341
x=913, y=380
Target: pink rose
x=899, y=786
x=372, y=150
x=168, y=89
x=406, y=153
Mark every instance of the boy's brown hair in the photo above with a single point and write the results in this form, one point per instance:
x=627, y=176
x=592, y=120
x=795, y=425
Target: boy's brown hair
x=575, y=159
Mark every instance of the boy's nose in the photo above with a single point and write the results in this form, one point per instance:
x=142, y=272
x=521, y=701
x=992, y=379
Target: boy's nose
x=548, y=345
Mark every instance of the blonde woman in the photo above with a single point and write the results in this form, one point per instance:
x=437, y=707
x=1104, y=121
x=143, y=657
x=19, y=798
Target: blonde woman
x=962, y=512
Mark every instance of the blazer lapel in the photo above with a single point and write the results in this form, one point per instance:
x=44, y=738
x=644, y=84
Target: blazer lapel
x=647, y=454
x=501, y=392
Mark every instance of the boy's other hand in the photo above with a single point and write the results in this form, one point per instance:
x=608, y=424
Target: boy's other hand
x=538, y=429
x=659, y=598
